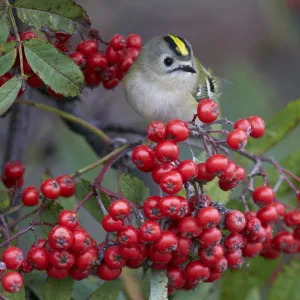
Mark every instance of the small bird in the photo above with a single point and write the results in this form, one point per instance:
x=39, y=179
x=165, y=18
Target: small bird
x=166, y=81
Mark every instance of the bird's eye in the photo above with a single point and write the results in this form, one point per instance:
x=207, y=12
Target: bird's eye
x=168, y=61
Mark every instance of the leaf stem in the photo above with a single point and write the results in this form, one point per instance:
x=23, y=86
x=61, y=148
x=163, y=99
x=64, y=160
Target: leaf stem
x=69, y=117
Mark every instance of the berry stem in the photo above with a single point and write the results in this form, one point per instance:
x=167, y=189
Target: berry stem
x=99, y=200
x=86, y=198
x=291, y=175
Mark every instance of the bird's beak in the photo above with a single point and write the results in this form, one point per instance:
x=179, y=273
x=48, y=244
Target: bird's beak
x=187, y=68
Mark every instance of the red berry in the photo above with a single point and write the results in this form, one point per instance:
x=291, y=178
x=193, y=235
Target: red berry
x=268, y=251
x=137, y=262
x=134, y=41
x=39, y=258
x=189, y=228
x=267, y=214
x=78, y=57
x=60, y=238
x=119, y=210
x=217, y=164
x=237, y=139
x=171, y=183
x=234, y=259
x=13, y=169
x=196, y=271
x=243, y=124
x=258, y=126
x=280, y=208
x=167, y=151
x=92, y=78
x=239, y=174
x=113, y=259
x=159, y=257
x=61, y=259
x=235, y=221
x=27, y=35
x=263, y=195
x=87, y=47
x=292, y=219
x=62, y=37
x=229, y=174
x=151, y=208
x=63, y=47
x=118, y=42
x=221, y=266
x=188, y=170
x=57, y=273
x=184, y=209
x=283, y=241
x=234, y=241
x=213, y=277
x=160, y=170
x=252, y=249
x=67, y=185
x=177, y=130
x=211, y=256
x=79, y=274
x=178, y=259
x=207, y=111
x=203, y=175
x=203, y=200
x=209, y=238
x=26, y=267
x=34, y=81
x=13, y=257
x=208, y=217
x=97, y=61
x=175, y=277
x=110, y=84
x=156, y=131
x=131, y=52
x=50, y=189
x=113, y=57
x=111, y=225
x=68, y=219
x=128, y=236
x=81, y=241
x=184, y=246
x=125, y=63
x=30, y=196
x=297, y=233
x=106, y=273
x=144, y=158
x=130, y=253
x=168, y=242
x=87, y=259
x=149, y=232
x=12, y=282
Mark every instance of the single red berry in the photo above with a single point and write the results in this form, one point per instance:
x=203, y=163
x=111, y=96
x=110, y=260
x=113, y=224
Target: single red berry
x=92, y=78
x=267, y=214
x=131, y=52
x=221, y=266
x=87, y=259
x=81, y=241
x=149, y=232
x=234, y=241
x=39, y=258
x=68, y=219
x=258, y=126
x=34, y=81
x=268, y=251
x=125, y=63
x=134, y=41
x=97, y=61
x=203, y=201
x=130, y=253
x=13, y=170
x=235, y=221
x=188, y=286
x=208, y=217
x=60, y=238
x=211, y=257
x=118, y=42
x=12, y=183
x=79, y=274
x=42, y=243
x=239, y=174
x=175, y=277
x=196, y=271
x=252, y=249
x=214, y=276
x=113, y=259
x=167, y=151
x=144, y=158
x=119, y=210
x=159, y=257
x=110, y=84
x=178, y=259
x=177, y=130
x=113, y=57
x=13, y=257
x=61, y=259
x=57, y=273
x=217, y=164
x=111, y=225
x=184, y=246
x=26, y=267
x=30, y=196
x=12, y=282
x=209, y=238
x=156, y=131
x=160, y=170
x=171, y=183
x=244, y=125
x=151, y=208
x=292, y=219
x=229, y=173
x=263, y=195
x=234, y=259
x=253, y=225
x=53, y=93
x=106, y=273
x=189, y=228
x=184, y=209
x=207, y=111
x=283, y=241
x=237, y=139
x=128, y=236
x=63, y=47
x=50, y=189
x=297, y=233
x=168, y=242
x=27, y=35
x=63, y=37
x=269, y=232
x=137, y=262
x=280, y=208
x=202, y=174
x=188, y=170
x=67, y=185
x=87, y=47
x=78, y=57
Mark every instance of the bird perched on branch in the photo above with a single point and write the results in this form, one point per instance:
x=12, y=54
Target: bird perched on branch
x=166, y=81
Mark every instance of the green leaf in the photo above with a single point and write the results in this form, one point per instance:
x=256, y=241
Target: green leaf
x=83, y=289
x=159, y=285
x=63, y=15
x=50, y=214
x=35, y=281
x=277, y=128
x=133, y=188
x=55, y=69
x=4, y=25
x=8, y=93
x=109, y=290
x=4, y=200
x=286, y=285
x=254, y=295
x=58, y=289
x=91, y=205
x=215, y=193
x=8, y=56
x=204, y=291
x=16, y=296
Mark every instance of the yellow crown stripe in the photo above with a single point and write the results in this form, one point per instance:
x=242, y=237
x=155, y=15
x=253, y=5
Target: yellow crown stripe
x=181, y=47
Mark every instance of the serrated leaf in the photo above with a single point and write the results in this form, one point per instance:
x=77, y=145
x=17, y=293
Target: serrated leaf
x=50, y=214
x=63, y=15
x=58, y=289
x=286, y=285
x=8, y=56
x=91, y=205
x=8, y=93
x=133, y=188
x=55, y=69
x=16, y=296
x=109, y=290
x=4, y=25
x=4, y=200
x=159, y=285
x=276, y=128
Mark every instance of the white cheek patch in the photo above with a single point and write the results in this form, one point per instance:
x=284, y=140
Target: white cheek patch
x=209, y=92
